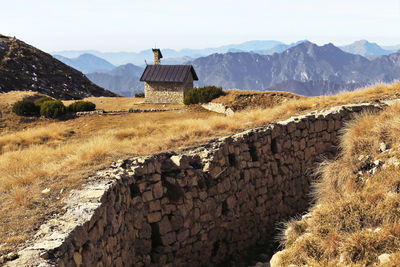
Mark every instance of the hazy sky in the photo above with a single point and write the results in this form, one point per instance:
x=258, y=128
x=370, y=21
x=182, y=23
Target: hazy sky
x=133, y=25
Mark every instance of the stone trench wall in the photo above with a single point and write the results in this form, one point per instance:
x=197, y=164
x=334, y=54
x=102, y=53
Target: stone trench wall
x=198, y=207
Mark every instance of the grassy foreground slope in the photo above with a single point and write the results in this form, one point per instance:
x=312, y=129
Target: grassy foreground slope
x=41, y=160
x=356, y=218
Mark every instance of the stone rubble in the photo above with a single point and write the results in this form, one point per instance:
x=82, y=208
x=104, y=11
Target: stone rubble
x=112, y=112
x=219, y=108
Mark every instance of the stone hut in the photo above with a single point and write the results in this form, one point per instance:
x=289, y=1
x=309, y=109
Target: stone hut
x=167, y=83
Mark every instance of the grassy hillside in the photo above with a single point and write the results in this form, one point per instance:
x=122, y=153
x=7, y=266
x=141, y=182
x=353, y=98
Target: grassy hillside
x=40, y=154
x=356, y=218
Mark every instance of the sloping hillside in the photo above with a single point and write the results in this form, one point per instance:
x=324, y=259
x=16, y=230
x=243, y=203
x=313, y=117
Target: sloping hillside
x=356, y=218
x=24, y=67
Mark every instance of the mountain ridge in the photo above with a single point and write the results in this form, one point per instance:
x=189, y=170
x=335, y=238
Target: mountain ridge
x=305, y=68
x=263, y=47
x=86, y=63
x=303, y=63
x=138, y=58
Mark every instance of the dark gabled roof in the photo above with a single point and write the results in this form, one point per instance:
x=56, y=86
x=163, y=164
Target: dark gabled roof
x=167, y=73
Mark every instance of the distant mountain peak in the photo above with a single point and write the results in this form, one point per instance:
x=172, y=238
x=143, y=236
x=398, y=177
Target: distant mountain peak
x=303, y=47
x=330, y=45
x=306, y=42
x=86, y=55
x=87, y=63
x=362, y=41
x=365, y=48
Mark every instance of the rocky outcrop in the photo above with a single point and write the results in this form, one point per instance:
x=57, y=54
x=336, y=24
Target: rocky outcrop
x=219, y=108
x=197, y=207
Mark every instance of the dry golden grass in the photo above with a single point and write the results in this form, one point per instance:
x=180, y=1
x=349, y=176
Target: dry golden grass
x=110, y=103
x=51, y=135
x=356, y=217
x=44, y=153
x=123, y=103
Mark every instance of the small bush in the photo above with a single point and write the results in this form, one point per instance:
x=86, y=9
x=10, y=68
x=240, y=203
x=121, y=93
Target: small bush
x=26, y=108
x=81, y=106
x=191, y=97
x=139, y=95
x=202, y=95
x=40, y=101
x=52, y=109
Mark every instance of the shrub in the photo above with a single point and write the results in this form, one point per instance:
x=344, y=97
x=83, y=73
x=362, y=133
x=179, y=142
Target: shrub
x=202, y=95
x=25, y=108
x=139, y=95
x=191, y=97
x=81, y=106
x=38, y=102
x=52, y=109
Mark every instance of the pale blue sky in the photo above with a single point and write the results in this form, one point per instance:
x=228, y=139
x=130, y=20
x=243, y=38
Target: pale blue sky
x=133, y=25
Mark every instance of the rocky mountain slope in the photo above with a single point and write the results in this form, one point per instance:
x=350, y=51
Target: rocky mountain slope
x=87, y=63
x=24, y=67
x=123, y=80
x=308, y=65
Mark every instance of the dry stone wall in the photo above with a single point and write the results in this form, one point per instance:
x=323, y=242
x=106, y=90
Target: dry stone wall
x=198, y=207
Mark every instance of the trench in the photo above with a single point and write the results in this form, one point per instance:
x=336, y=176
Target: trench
x=215, y=205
